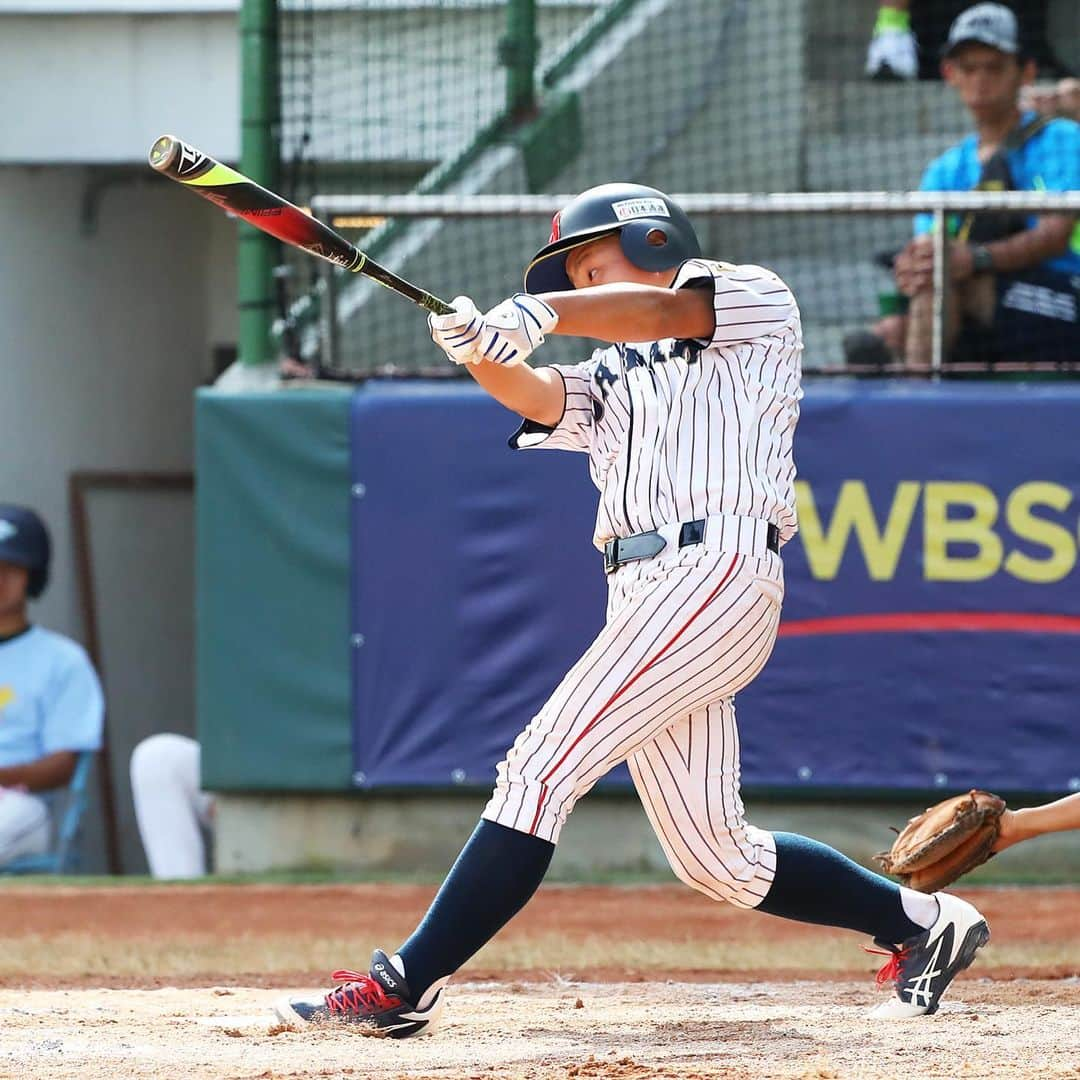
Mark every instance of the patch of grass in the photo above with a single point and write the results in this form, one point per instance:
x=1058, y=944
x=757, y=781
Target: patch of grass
x=80, y=955
x=746, y=954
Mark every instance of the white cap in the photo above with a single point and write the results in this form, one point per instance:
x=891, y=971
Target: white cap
x=988, y=24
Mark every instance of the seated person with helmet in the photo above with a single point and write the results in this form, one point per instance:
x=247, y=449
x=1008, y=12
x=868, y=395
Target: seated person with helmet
x=1014, y=280
x=51, y=705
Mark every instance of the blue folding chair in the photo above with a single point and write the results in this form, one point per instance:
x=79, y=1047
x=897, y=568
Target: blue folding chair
x=71, y=805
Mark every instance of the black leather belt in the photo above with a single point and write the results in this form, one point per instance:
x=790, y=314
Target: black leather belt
x=624, y=549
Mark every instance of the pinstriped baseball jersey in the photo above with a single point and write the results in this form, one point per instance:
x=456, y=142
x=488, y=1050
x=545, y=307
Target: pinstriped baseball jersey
x=678, y=430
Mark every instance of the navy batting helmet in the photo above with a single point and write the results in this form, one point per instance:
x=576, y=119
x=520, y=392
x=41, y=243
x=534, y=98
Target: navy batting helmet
x=24, y=541
x=654, y=232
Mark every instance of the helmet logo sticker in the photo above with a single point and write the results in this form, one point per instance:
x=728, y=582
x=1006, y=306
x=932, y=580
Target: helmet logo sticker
x=7, y=530
x=627, y=209
x=555, y=227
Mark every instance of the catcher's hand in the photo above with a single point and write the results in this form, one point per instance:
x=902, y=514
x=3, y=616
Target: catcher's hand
x=945, y=841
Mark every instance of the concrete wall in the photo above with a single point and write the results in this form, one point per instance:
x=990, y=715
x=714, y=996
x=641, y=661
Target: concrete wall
x=101, y=88
x=105, y=332
x=608, y=835
x=411, y=834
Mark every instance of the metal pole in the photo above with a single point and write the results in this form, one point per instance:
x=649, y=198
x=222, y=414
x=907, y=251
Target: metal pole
x=259, y=159
x=818, y=202
x=518, y=52
x=941, y=284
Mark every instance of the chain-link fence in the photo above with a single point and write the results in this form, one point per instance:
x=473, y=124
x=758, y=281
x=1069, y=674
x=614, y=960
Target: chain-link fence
x=388, y=96
x=388, y=328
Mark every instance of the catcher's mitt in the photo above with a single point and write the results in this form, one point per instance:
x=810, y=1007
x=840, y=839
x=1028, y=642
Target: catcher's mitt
x=945, y=841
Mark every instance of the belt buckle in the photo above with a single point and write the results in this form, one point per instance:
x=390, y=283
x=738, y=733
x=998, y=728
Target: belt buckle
x=611, y=555
x=692, y=532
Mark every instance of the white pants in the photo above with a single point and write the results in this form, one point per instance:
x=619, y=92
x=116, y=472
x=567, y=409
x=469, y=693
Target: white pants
x=24, y=825
x=655, y=689
x=170, y=809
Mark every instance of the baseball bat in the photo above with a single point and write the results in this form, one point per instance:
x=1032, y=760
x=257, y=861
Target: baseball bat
x=234, y=192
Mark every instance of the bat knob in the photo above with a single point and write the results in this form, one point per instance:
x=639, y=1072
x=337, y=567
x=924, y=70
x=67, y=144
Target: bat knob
x=163, y=152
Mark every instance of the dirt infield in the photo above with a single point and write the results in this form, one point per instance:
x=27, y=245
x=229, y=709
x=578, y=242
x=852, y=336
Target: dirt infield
x=544, y=1032
x=588, y=982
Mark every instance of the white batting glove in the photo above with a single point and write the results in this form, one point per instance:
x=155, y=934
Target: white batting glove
x=513, y=329
x=458, y=334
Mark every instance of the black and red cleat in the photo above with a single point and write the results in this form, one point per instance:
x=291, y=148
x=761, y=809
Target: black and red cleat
x=380, y=1000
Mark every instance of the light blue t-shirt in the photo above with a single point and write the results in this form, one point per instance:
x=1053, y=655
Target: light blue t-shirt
x=50, y=698
x=1048, y=161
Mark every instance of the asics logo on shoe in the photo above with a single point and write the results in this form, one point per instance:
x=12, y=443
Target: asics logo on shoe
x=921, y=988
x=384, y=976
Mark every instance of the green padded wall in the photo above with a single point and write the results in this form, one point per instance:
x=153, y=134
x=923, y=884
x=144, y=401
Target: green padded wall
x=272, y=590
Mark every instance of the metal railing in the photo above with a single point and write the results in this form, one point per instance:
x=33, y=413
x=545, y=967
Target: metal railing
x=938, y=204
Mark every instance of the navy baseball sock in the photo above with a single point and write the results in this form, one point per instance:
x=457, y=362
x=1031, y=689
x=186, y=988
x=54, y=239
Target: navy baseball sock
x=493, y=878
x=816, y=884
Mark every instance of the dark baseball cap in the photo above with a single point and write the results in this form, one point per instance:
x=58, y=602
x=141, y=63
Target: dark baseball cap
x=985, y=24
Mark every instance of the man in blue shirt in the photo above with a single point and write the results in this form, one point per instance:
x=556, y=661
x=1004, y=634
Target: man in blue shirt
x=1014, y=282
x=51, y=705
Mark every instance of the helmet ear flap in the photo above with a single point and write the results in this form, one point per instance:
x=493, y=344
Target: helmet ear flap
x=648, y=244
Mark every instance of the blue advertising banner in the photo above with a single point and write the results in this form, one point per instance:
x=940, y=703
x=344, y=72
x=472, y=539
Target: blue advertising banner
x=932, y=609
x=475, y=584
x=931, y=624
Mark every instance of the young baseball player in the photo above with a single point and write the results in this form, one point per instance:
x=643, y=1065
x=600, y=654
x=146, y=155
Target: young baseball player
x=51, y=704
x=687, y=419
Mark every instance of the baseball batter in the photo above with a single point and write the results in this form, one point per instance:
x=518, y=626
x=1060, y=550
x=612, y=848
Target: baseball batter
x=687, y=418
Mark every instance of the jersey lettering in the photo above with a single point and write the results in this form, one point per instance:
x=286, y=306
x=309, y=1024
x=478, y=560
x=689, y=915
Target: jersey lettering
x=604, y=378
x=710, y=432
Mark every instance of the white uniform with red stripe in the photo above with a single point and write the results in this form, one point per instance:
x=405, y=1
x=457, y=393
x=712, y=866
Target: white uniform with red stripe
x=676, y=431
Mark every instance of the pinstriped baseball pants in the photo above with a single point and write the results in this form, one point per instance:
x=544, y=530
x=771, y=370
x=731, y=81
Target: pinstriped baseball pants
x=656, y=689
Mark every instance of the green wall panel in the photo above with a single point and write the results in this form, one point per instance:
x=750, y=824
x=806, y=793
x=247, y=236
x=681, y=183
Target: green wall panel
x=272, y=590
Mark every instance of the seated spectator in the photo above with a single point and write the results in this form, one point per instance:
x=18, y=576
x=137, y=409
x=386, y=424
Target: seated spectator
x=1061, y=98
x=1013, y=280
x=1067, y=99
x=51, y=705
x=170, y=810
x=908, y=34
